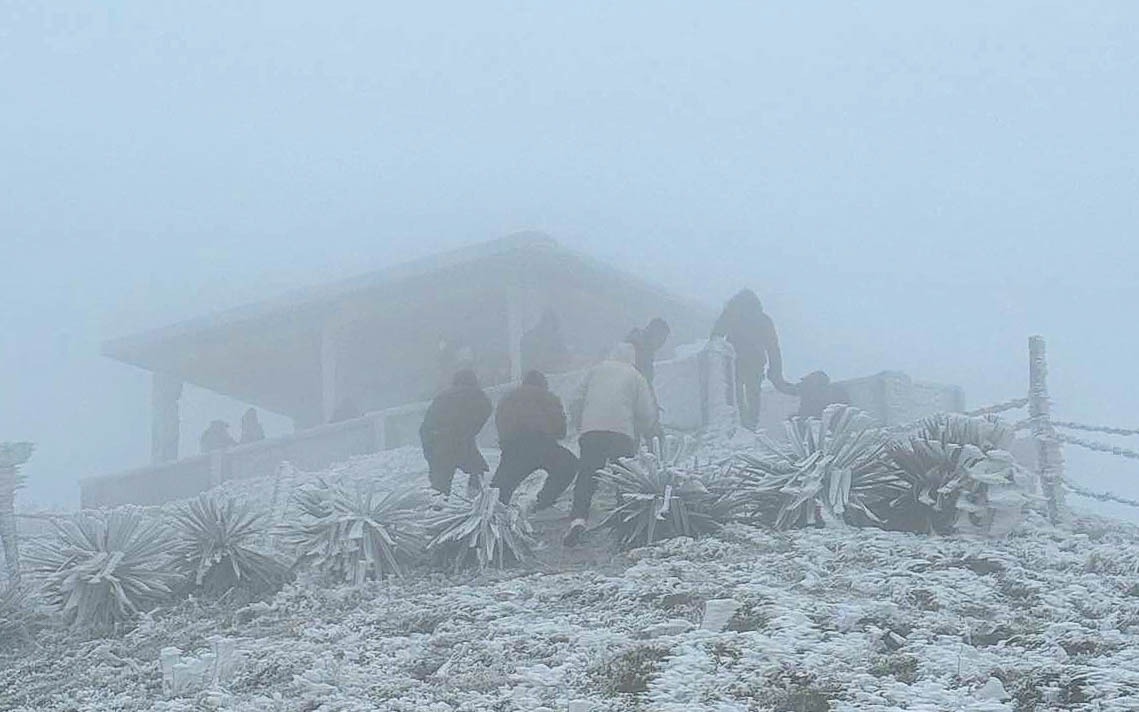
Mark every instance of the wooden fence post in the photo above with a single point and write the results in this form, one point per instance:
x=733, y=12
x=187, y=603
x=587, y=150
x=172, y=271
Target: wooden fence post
x=1049, y=459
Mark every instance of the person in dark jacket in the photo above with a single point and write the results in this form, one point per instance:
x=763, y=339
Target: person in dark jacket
x=752, y=335
x=217, y=437
x=646, y=342
x=815, y=393
x=448, y=432
x=251, y=430
x=530, y=422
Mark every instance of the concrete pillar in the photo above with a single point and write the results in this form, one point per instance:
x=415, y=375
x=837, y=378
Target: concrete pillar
x=514, y=326
x=328, y=353
x=165, y=429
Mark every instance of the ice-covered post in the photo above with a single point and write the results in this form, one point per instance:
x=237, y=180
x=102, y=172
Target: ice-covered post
x=12, y=455
x=1049, y=459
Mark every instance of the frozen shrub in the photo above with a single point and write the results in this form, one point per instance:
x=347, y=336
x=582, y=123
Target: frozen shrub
x=958, y=476
x=832, y=469
x=481, y=532
x=215, y=547
x=356, y=535
x=102, y=570
x=17, y=617
x=659, y=498
x=630, y=672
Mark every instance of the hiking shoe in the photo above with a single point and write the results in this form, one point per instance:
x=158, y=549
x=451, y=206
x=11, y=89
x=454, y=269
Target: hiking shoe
x=574, y=533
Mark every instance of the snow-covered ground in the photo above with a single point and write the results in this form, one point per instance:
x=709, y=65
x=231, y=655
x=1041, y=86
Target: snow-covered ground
x=827, y=619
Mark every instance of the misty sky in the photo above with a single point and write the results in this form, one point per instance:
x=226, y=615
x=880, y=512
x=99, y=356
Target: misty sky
x=905, y=187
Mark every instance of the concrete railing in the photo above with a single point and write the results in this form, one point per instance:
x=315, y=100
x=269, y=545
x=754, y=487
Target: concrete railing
x=693, y=390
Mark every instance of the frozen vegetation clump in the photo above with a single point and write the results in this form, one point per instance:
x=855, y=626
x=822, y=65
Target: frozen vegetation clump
x=104, y=570
x=481, y=532
x=958, y=476
x=354, y=535
x=18, y=620
x=831, y=470
x=216, y=547
x=660, y=495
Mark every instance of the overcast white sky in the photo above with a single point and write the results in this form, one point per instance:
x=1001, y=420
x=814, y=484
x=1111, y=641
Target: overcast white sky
x=905, y=187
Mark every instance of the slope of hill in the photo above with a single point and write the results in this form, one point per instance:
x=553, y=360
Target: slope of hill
x=842, y=619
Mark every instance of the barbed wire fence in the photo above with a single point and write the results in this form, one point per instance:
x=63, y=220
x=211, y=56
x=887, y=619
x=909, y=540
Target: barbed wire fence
x=1048, y=437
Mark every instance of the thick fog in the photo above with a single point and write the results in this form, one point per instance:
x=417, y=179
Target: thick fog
x=905, y=187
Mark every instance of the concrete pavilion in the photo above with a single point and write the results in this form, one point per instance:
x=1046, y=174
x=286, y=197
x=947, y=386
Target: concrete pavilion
x=375, y=339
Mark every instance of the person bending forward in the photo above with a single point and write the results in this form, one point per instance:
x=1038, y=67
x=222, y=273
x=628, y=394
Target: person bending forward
x=448, y=432
x=530, y=421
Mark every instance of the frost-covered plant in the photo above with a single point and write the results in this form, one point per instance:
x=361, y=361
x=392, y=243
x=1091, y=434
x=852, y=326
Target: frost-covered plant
x=660, y=495
x=480, y=532
x=937, y=474
x=832, y=469
x=215, y=547
x=354, y=535
x=985, y=433
x=12, y=455
x=102, y=570
x=17, y=617
x=958, y=476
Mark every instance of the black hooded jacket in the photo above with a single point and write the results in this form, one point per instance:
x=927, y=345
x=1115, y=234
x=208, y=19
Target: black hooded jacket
x=751, y=333
x=457, y=414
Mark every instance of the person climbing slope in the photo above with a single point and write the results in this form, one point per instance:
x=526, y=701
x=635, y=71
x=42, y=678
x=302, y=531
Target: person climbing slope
x=448, y=432
x=530, y=422
x=616, y=403
x=752, y=335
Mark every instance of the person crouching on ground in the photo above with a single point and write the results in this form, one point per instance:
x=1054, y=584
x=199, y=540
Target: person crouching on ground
x=530, y=422
x=448, y=432
x=616, y=403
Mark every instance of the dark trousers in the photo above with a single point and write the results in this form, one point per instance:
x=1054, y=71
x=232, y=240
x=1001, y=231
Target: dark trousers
x=522, y=455
x=748, y=382
x=598, y=448
x=444, y=458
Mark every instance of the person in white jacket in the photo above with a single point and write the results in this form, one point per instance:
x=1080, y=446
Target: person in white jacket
x=614, y=406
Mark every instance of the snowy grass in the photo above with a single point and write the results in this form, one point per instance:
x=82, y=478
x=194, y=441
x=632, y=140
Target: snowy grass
x=830, y=619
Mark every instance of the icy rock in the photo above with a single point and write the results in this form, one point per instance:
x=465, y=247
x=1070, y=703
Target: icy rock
x=674, y=626
x=993, y=689
x=717, y=613
x=580, y=706
x=186, y=675
x=168, y=658
x=847, y=618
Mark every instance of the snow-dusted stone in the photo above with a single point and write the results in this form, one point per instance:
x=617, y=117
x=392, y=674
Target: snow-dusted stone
x=675, y=626
x=168, y=658
x=717, y=613
x=580, y=706
x=994, y=690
